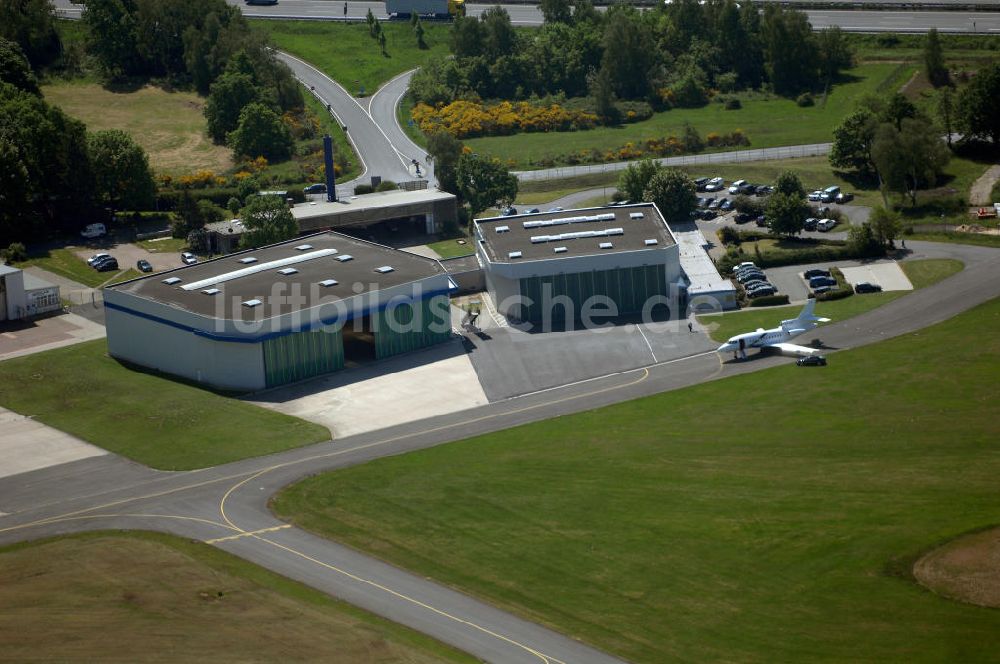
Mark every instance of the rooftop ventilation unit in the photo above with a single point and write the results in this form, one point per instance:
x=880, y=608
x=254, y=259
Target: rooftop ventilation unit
x=576, y=235
x=170, y=281
x=650, y=243
x=287, y=271
x=259, y=267
x=635, y=215
x=541, y=223
x=252, y=303
x=606, y=245
x=211, y=291
x=343, y=258
x=503, y=229
x=514, y=254
x=385, y=269
x=326, y=283
x=560, y=250
x=248, y=260
x=303, y=247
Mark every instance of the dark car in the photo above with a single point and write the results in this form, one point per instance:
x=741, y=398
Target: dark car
x=315, y=189
x=761, y=291
x=810, y=224
x=144, y=265
x=106, y=265
x=816, y=272
x=762, y=221
x=700, y=183
x=742, y=217
x=747, y=269
x=532, y=211
x=708, y=215
x=508, y=211
x=702, y=202
x=811, y=361
x=763, y=190
x=744, y=277
x=844, y=197
x=816, y=282
x=715, y=203
x=866, y=287
x=726, y=205
x=754, y=283
x=748, y=189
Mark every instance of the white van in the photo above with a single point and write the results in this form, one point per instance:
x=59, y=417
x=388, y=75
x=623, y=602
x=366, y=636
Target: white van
x=829, y=194
x=94, y=230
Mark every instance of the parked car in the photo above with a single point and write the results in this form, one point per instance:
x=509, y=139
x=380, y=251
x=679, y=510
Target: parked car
x=715, y=184
x=816, y=282
x=744, y=264
x=844, y=197
x=742, y=217
x=865, y=287
x=734, y=188
x=810, y=224
x=746, y=267
x=811, y=361
x=555, y=209
x=532, y=211
x=747, y=277
x=815, y=196
x=106, y=265
x=763, y=190
x=144, y=265
x=700, y=184
x=754, y=283
x=708, y=215
x=508, y=211
x=822, y=289
x=748, y=189
x=762, y=221
x=823, y=211
x=97, y=257
x=829, y=194
x=188, y=258
x=93, y=230
x=701, y=202
x=318, y=188
x=825, y=225
x=726, y=205
x=761, y=292
x=816, y=272
x=715, y=203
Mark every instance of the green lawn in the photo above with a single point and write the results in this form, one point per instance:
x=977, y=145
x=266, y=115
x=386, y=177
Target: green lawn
x=702, y=525
x=450, y=248
x=921, y=273
x=67, y=264
x=156, y=421
x=768, y=122
x=164, y=245
x=135, y=596
x=959, y=238
x=347, y=54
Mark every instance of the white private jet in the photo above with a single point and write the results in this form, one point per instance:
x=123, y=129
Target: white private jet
x=777, y=337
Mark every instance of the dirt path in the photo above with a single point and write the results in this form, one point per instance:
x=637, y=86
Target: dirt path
x=979, y=193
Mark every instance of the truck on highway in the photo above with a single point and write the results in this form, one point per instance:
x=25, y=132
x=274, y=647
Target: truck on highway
x=439, y=9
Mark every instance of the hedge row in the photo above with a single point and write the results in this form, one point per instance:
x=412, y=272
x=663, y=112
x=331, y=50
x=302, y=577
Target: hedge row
x=769, y=301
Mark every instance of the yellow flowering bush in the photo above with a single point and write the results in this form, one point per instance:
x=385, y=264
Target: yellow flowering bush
x=464, y=119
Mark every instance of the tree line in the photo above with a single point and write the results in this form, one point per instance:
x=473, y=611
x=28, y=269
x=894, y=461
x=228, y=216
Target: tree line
x=674, y=55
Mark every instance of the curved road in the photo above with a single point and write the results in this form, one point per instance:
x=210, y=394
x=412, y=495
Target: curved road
x=226, y=506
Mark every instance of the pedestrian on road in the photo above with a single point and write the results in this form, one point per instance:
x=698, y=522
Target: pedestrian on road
x=345, y=10
x=690, y=327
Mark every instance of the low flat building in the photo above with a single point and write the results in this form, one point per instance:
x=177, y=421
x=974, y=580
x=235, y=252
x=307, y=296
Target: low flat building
x=553, y=265
x=281, y=313
x=24, y=295
x=706, y=289
x=423, y=211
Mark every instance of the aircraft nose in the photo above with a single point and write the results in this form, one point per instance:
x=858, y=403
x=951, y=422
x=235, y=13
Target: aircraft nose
x=724, y=348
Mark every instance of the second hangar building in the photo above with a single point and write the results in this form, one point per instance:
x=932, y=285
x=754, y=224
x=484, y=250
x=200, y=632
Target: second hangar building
x=541, y=265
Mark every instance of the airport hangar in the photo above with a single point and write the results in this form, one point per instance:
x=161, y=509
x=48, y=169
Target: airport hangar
x=626, y=254
x=279, y=314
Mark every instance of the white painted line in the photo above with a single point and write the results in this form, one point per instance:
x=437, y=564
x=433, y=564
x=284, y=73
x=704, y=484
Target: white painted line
x=648, y=345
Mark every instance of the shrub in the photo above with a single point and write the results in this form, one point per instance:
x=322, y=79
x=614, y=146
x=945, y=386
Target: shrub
x=728, y=235
x=464, y=119
x=805, y=99
x=769, y=301
x=835, y=294
x=363, y=189
x=386, y=185
x=733, y=104
x=15, y=253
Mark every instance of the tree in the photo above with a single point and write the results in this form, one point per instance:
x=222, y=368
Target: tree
x=885, y=225
x=499, y=38
x=786, y=213
x=946, y=111
x=230, y=94
x=673, y=192
x=31, y=24
x=788, y=183
x=418, y=31
x=603, y=92
x=978, y=109
x=267, y=220
x=909, y=159
x=629, y=52
x=934, y=66
x=791, y=53
x=15, y=69
x=261, y=132
x=466, y=37
x=852, y=143
x=862, y=241
x=834, y=53
x=122, y=177
x=445, y=151
x=634, y=180
x=556, y=11
x=188, y=216
x=484, y=183
x=897, y=109
x=112, y=36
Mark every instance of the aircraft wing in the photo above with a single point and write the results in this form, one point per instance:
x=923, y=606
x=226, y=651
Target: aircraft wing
x=793, y=349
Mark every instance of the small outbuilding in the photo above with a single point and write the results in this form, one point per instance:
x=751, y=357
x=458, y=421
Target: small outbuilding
x=24, y=295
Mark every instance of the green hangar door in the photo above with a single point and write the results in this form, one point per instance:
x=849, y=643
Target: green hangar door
x=628, y=287
x=302, y=355
x=406, y=326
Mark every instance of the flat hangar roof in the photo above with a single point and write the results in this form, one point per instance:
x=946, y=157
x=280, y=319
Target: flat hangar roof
x=325, y=268
x=572, y=233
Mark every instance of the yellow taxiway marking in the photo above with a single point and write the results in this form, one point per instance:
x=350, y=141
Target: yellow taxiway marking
x=247, y=534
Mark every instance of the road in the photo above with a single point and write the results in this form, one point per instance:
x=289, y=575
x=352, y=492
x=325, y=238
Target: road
x=226, y=506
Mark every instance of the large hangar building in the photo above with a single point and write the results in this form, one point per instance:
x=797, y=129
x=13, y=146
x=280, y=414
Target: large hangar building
x=625, y=255
x=279, y=314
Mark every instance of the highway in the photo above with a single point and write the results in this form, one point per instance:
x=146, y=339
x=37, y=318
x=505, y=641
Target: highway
x=227, y=507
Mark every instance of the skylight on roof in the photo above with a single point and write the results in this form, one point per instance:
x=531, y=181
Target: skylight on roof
x=635, y=215
x=252, y=303
x=303, y=247
x=326, y=283
x=385, y=269
x=211, y=291
x=650, y=242
x=343, y=258
x=503, y=229
x=514, y=254
x=560, y=250
x=287, y=270
x=606, y=245
x=248, y=259
x=170, y=281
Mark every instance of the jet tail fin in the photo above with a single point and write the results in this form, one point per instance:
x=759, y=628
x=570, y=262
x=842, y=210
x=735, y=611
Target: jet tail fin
x=805, y=317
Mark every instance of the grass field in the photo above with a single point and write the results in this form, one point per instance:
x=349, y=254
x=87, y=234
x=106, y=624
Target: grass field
x=768, y=122
x=959, y=238
x=168, y=125
x=67, y=264
x=158, y=422
x=768, y=517
x=164, y=245
x=346, y=53
x=450, y=248
x=137, y=597
x=921, y=273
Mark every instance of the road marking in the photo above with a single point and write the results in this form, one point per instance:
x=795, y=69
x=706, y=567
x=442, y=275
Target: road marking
x=648, y=345
x=248, y=534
